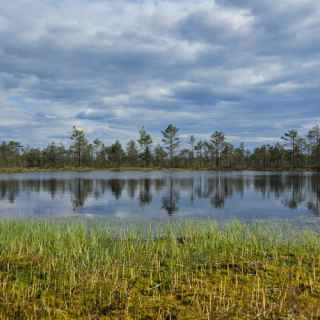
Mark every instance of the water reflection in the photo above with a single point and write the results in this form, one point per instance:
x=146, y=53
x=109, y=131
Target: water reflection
x=171, y=198
x=175, y=192
x=145, y=196
x=80, y=190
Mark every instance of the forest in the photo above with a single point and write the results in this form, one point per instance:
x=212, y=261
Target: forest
x=293, y=151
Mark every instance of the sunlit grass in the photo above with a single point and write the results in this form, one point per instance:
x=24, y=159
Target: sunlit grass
x=184, y=270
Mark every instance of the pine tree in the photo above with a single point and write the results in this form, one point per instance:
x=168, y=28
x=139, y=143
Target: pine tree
x=132, y=153
x=79, y=144
x=291, y=138
x=171, y=140
x=145, y=142
x=218, y=142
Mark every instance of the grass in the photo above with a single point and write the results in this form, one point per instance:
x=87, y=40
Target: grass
x=184, y=270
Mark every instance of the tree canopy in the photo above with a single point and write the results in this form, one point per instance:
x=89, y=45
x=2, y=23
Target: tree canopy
x=293, y=150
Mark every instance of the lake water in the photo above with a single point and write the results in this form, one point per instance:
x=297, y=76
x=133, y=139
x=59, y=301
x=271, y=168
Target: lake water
x=161, y=194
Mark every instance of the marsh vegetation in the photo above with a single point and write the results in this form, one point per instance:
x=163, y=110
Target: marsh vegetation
x=183, y=270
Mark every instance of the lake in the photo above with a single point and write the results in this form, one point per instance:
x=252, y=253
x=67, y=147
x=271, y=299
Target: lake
x=160, y=194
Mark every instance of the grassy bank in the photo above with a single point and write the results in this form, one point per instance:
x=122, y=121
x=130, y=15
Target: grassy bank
x=187, y=270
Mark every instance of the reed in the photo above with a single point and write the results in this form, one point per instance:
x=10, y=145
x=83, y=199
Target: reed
x=182, y=270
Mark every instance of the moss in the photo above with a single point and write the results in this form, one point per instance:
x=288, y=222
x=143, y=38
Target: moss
x=72, y=270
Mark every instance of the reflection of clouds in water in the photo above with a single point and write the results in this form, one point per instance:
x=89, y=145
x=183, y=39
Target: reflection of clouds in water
x=33, y=203
x=151, y=194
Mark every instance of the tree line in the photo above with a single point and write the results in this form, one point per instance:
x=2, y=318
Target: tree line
x=292, y=151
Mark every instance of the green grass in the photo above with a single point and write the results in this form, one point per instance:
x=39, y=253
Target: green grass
x=184, y=270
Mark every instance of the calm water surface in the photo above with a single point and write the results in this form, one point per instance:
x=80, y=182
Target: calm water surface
x=161, y=194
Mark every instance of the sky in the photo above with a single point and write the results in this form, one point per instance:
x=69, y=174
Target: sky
x=250, y=68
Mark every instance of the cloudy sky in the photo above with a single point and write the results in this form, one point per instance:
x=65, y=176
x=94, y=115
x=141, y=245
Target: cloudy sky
x=248, y=67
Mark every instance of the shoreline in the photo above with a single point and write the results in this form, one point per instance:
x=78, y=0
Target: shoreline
x=143, y=169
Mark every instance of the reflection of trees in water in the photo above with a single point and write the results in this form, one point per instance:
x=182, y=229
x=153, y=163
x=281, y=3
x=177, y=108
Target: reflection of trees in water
x=314, y=202
x=159, y=184
x=292, y=190
x=9, y=190
x=145, y=196
x=132, y=185
x=116, y=187
x=217, y=189
x=81, y=189
x=296, y=191
x=218, y=200
x=171, y=199
x=220, y=189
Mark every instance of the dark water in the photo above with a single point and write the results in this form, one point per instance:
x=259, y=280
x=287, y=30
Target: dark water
x=161, y=194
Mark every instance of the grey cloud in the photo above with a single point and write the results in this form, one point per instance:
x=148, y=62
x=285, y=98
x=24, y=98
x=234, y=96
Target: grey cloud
x=240, y=66
x=202, y=95
x=95, y=115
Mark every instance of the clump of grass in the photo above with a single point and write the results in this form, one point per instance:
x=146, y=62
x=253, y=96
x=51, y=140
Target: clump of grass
x=185, y=270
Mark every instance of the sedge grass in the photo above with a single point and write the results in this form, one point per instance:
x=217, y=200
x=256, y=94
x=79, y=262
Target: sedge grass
x=185, y=270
